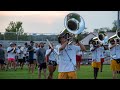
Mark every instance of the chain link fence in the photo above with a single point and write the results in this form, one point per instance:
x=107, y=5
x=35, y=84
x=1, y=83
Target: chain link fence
x=28, y=36
x=7, y=37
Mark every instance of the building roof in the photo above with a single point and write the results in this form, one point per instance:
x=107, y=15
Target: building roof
x=85, y=40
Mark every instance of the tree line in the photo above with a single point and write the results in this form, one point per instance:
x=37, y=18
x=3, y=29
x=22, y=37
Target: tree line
x=15, y=31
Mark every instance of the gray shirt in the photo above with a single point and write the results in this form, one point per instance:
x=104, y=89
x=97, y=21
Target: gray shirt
x=41, y=55
x=2, y=54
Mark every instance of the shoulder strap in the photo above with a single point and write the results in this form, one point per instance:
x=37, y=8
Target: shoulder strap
x=71, y=60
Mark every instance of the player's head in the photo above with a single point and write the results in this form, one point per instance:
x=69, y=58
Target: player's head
x=112, y=41
x=63, y=36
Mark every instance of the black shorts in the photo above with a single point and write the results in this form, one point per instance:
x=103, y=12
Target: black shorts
x=21, y=60
x=31, y=61
x=1, y=61
x=27, y=58
x=53, y=63
x=42, y=66
x=24, y=59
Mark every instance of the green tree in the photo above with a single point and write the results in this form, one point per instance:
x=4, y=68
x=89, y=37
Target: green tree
x=102, y=29
x=15, y=27
x=114, y=28
x=1, y=36
x=14, y=30
x=95, y=30
x=80, y=36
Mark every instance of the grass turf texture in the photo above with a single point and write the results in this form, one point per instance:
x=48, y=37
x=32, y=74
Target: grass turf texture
x=85, y=72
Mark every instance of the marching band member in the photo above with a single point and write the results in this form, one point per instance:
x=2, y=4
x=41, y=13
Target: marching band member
x=41, y=60
x=103, y=40
x=67, y=57
x=31, y=57
x=35, y=56
x=51, y=54
x=26, y=53
x=20, y=53
x=96, y=59
x=11, y=52
x=114, y=53
x=118, y=51
x=2, y=57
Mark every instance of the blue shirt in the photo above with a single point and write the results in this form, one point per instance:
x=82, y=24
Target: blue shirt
x=31, y=53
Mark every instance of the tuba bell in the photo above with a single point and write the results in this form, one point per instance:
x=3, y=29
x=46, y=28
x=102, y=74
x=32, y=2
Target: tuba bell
x=101, y=37
x=74, y=25
x=116, y=36
x=95, y=39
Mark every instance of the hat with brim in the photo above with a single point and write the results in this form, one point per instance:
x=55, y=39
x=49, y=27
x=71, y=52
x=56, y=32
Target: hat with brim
x=63, y=33
x=11, y=43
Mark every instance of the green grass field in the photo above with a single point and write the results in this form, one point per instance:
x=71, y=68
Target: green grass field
x=86, y=72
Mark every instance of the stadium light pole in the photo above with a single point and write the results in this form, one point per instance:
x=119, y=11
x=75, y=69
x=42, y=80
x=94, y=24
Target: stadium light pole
x=118, y=20
x=30, y=36
x=4, y=36
x=17, y=37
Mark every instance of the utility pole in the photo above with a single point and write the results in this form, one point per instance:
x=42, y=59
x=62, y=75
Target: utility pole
x=118, y=24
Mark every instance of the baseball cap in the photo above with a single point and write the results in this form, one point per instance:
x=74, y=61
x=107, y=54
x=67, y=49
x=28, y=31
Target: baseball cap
x=63, y=33
x=11, y=43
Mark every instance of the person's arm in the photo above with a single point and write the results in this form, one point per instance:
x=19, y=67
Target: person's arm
x=45, y=57
x=81, y=46
x=112, y=46
x=63, y=46
x=48, y=54
x=94, y=48
x=37, y=60
x=4, y=54
x=18, y=51
x=14, y=50
x=9, y=50
x=24, y=51
x=30, y=48
x=37, y=54
x=105, y=47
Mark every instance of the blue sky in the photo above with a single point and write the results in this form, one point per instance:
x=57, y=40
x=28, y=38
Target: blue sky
x=53, y=21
